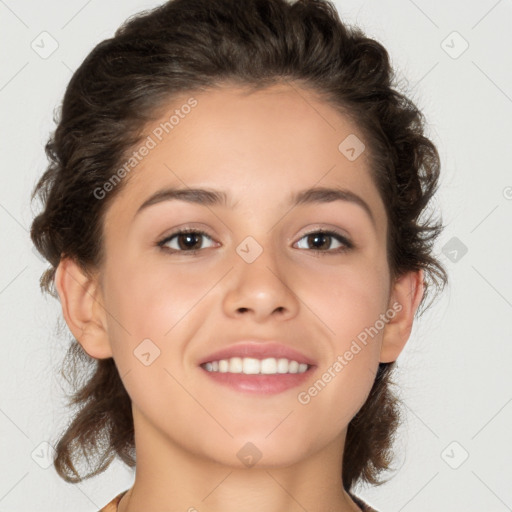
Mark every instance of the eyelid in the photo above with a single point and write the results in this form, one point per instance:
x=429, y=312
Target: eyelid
x=186, y=228
x=327, y=229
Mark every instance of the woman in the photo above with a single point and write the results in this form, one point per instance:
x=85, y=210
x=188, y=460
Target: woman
x=232, y=218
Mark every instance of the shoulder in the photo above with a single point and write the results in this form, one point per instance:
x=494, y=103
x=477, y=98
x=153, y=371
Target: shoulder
x=112, y=505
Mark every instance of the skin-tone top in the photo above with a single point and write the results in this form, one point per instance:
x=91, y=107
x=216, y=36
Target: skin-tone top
x=361, y=504
x=112, y=506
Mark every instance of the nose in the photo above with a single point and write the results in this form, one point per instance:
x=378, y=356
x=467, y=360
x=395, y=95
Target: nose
x=261, y=289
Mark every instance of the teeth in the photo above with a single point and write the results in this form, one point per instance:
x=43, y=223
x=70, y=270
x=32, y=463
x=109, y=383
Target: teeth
x=252, y=366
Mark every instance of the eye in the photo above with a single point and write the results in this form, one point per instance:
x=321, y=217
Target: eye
x=322, y=239
x=187, y=240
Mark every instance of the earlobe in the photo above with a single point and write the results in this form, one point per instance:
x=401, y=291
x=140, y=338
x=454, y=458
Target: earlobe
x=405, y=298
x=82, y=308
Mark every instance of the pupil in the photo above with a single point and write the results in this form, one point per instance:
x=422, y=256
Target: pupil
x=188, y=237
x=314, y=238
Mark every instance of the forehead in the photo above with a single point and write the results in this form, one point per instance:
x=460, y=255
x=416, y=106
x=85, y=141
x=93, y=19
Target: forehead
x=257, y=146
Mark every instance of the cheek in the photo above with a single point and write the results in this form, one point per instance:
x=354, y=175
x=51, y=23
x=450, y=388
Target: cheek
x=349, y=299
x=150, y=297
x=153, y=310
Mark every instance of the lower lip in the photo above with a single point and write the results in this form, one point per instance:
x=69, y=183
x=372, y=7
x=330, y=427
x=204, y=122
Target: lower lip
x=259, y=383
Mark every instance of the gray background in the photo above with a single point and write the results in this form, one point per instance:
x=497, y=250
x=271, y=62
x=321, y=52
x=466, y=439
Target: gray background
x=454, y=374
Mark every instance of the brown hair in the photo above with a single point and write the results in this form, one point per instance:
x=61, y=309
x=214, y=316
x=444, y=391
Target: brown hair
x=194, y=45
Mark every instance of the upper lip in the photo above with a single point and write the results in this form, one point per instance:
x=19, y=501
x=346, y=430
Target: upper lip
x=258, y=350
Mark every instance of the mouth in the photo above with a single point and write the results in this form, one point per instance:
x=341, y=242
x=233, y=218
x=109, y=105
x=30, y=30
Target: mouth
x=258, y=367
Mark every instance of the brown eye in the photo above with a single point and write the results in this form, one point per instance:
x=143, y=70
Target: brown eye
x=184, y=241
x=322, y=241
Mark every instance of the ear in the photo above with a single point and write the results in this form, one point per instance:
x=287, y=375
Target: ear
x=405, y=297
x=82, y=307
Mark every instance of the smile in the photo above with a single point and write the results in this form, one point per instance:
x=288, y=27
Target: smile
x=253, y=366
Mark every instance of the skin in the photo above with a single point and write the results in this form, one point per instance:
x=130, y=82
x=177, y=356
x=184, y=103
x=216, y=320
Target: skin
x=259, y=148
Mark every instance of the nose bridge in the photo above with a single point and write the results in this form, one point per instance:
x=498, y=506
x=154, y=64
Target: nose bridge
x=258, y=245
x=259, y=258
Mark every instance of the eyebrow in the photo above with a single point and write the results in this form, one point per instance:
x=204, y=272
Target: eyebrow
x=211, y=197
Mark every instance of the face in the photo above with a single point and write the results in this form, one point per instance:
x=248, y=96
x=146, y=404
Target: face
x=261, y=273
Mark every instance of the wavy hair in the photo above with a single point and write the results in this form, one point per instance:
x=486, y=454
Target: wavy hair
x=195, y=45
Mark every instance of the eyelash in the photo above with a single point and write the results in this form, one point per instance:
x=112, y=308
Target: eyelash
x=347, y=243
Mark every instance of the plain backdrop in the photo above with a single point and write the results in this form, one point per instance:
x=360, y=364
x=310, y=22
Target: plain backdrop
x=454, y=448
